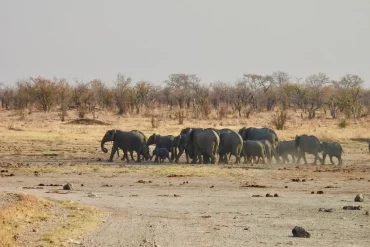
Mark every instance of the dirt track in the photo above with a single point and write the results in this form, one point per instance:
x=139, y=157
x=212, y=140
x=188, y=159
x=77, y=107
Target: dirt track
x=211, y=206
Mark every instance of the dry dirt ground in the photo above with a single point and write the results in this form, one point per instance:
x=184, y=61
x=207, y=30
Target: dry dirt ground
x=190, y=205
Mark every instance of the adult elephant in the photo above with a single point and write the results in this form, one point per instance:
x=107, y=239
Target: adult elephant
x=143, y=139
x=220, y=131
x=163, y=142
x=181, y=143
x=125, y=140
x=260, y=134
x=202, y=142
x=308, y=144
x=230, y=143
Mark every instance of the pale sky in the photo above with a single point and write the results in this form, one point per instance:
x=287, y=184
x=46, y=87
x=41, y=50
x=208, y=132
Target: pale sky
x=215, y=39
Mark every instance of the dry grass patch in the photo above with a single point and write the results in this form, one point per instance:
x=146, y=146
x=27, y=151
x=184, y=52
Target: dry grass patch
x=23, y=212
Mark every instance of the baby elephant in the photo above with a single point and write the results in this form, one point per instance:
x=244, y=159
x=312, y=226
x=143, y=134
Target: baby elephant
x=331, y=149
x=254, y=150
x=161, y=154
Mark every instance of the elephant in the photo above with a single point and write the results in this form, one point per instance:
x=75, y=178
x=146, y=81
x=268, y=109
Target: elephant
x=181, y=142
x=143, y=138
x=270, y=151
x=202, y=142
x=307, y=144
x=253, y=149
x=230, y=142
x=286, y=148
x=225, y=130
x=259, y=134
x=331, y=149
x=163, y=142
x=128, y=141
x=161, y=154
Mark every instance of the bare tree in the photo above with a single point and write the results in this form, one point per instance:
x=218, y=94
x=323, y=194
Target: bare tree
x=349, y=88
x=313, y=96
x=122, y=93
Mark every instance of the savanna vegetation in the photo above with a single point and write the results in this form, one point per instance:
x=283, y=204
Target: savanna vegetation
x=186, y=95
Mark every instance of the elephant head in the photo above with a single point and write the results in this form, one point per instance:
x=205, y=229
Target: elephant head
x=145, y=152
x=108, y=137
x=323, y=147
x=243, y=132
x=152, y=139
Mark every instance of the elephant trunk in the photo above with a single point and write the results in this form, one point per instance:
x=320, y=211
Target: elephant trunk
x=105, y=150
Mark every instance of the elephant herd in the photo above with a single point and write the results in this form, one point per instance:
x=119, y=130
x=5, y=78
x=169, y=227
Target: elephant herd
x=202, y=146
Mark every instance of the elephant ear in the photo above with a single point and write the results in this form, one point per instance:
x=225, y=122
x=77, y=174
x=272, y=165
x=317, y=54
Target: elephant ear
x=113, y=135
x=154, y=138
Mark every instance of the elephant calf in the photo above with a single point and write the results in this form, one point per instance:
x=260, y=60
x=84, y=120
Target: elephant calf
x=331, y=149
x=161, y=154
x=254, y=150
x=286, y=148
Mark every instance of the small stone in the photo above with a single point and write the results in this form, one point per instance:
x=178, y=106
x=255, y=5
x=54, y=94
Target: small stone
x=34, y=230
x=286, y=187
x=367, y=213
x=359, y=198
x=320, y=192
x=212, y=186
x=68, y=186
x=276, y=195
x=246, y=229
x=82, y=185
x=269, y=195
x=303, y=180
x=312, y=192
x=299, y=232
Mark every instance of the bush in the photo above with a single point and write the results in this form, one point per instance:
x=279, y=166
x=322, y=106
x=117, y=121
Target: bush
x=155, y=123
x=81, y=112
x=343, y=123
x=180, y=116
x=279, y=120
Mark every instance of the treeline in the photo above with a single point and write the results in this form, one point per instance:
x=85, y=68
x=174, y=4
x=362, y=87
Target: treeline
x=250, y=94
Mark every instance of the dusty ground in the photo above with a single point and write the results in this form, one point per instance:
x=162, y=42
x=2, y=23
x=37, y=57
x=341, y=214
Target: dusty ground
x=185, y=205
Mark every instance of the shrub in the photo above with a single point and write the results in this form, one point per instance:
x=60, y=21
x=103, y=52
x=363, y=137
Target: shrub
x=180, y=116
x=154, y=122
x=279, y=120
x=343, y=123
x=81, y=112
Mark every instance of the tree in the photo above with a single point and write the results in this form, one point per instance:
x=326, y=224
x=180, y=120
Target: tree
x=122, y=93
x=44, y=92
x=349, y=88
x=181, y=86
x=313, y=96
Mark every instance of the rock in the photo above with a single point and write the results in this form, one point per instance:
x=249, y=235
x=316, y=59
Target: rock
x=367, y=213
x=320, y=192
x=352, y=207
x=299, y=232
x=286, y=187
x=212, y=186
x=68, y=186
x=359, y=198
x=329, y=210
x=276, y=195
x=312, y=192
x=269, y=195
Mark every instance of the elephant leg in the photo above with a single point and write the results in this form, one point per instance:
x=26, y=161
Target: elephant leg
x=114, y=150
x=331, y=159
x=132, y=155
x=304, y=158
x=340, y=160
x=226, y=159
x=293, y=158
x=263, y=160
x=323, y=159
x=138, y=156
x=299, y=157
